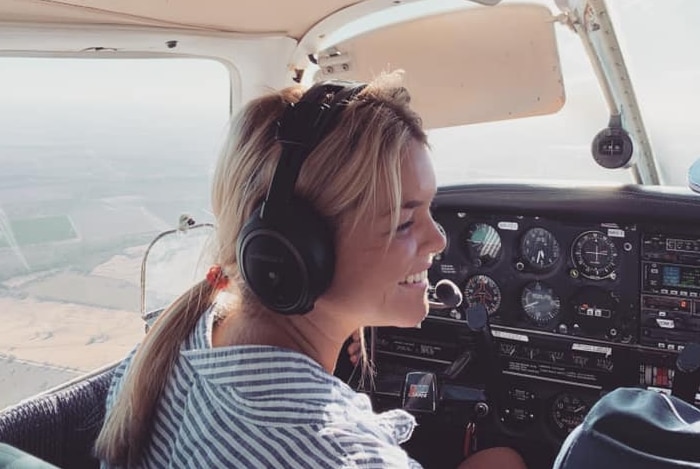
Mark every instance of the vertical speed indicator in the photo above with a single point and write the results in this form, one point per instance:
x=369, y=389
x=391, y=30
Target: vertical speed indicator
x=539, y=302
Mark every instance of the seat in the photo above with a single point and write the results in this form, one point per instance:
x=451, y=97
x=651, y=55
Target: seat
x=13, y=458
x=60, y=426
x=635, y=428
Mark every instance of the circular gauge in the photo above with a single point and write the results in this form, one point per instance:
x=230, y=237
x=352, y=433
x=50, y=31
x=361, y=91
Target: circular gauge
x=539, y=302
x=594, y=255
x=568, y=412
x=483, y=244
x=441, y=229
x=483, y=289
x=539, y=248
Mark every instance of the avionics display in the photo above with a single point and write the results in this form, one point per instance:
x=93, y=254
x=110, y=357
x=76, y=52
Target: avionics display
x=670, y=300
x=670, y=265
x=680, y=276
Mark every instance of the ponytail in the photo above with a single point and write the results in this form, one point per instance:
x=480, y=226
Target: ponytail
x=126, y=431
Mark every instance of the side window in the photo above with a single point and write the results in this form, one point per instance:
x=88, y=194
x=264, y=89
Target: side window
x=96, y=158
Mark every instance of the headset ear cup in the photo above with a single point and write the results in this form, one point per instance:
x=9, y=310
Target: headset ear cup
x=286, y=249
x=288, y=261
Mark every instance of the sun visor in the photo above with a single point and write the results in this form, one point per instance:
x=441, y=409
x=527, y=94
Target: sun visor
x=472, y=65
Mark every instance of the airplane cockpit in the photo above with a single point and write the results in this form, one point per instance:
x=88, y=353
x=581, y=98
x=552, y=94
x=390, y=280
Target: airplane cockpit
x=572, y=294
x=567, y=198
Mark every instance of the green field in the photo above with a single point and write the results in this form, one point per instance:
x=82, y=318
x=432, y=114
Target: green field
x=39, y=230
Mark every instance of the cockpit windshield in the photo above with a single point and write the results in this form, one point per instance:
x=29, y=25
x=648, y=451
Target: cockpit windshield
x=657, y=40
x=660, y=41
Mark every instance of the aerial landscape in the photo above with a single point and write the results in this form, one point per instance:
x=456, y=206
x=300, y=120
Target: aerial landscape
x=87, y=182
x=98, y=157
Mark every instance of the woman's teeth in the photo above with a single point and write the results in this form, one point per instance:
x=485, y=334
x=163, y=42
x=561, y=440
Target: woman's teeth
x=416, y=278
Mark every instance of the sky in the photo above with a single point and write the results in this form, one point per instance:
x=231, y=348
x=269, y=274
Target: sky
x=659, y=36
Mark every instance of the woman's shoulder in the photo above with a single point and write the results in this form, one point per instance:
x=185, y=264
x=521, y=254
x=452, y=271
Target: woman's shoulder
x=196, y=339
x=324, y=414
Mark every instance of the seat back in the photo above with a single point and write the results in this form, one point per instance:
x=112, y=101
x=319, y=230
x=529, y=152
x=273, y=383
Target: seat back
x=635, y=428
x=13, y=458
x=60, y=426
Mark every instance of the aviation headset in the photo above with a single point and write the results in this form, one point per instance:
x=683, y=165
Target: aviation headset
x=286, y=250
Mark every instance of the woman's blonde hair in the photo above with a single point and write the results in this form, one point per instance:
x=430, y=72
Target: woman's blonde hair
x=343, y=177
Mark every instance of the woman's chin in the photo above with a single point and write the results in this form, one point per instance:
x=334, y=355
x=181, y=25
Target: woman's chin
x=406, y=311
x=415, y=307
x=412, y=318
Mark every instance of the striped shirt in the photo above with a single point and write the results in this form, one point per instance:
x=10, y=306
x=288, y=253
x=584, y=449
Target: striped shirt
x=262, y=406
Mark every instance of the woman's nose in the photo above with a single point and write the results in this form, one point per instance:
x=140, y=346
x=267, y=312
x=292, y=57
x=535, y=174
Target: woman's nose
x=437, y=240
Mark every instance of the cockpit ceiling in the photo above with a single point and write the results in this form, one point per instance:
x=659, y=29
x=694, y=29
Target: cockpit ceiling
x=291, y=18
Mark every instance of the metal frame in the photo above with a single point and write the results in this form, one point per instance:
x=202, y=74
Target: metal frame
x=181, y=228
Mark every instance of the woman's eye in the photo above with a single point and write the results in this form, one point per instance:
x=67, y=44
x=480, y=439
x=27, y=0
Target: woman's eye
x=404, y=226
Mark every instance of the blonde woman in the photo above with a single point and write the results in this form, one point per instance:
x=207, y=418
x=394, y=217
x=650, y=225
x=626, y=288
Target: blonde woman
x=248, y=381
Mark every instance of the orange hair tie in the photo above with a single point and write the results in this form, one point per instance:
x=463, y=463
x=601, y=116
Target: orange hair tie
x=216, y=278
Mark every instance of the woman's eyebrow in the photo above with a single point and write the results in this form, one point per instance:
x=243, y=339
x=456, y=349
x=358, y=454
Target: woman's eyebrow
x=412, y=204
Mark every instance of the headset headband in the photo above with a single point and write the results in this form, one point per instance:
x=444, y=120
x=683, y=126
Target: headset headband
x=301, y=127
x=286, y=249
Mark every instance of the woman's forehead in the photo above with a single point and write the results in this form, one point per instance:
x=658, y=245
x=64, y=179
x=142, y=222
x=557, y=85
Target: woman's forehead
x=418, y=183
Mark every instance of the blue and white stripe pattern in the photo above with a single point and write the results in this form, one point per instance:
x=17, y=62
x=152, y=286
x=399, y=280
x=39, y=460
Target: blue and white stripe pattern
x=262, y=406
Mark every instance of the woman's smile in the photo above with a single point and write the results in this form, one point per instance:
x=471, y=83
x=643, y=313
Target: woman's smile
x=416, y=281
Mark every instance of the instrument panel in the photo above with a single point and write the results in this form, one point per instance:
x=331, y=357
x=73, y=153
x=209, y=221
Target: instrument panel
x=531, y=272
x=586, y=290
